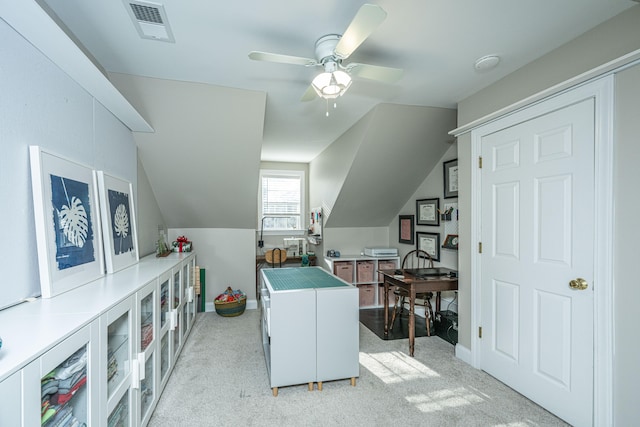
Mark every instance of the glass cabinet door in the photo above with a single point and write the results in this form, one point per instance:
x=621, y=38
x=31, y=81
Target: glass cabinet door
x=177, y=311
x=147, y=389
x=164, y=300
x=118, y=352
x=146, y=311
x=64, y=390
x=146, y=358
x=165, y=326
x=118, y=323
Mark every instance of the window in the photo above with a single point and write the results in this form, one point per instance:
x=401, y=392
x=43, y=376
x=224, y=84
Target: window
x=281, y=200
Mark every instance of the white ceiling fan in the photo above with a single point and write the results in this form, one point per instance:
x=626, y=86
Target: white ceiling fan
x=332, y=49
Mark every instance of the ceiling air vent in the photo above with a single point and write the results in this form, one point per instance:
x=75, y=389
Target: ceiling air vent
x=150, y=20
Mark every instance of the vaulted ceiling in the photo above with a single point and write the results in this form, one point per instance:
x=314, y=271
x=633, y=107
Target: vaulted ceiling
x=216, y=113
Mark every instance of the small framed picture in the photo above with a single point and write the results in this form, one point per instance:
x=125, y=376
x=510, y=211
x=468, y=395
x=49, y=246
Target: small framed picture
x=451, y=241
x=450, y=170
x=405, y=229
x=119, y=232
x=427, y=211
x=430, y=243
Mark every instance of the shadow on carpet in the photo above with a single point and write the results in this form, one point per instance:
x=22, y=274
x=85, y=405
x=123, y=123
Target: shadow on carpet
x=373, y=319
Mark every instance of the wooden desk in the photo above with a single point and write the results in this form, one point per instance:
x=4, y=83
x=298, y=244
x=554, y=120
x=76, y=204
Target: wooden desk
x=415, y=285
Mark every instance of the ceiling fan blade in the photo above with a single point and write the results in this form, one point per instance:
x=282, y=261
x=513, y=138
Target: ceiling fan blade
x=368, y=18
x=375, y=72
x=284, y=59
x=309, y=95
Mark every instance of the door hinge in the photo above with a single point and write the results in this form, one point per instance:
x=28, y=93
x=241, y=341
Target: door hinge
x=480, y=162
x=479, y=247
x=480, y=332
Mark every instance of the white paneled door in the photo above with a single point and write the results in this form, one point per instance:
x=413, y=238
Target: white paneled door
x=537, y=232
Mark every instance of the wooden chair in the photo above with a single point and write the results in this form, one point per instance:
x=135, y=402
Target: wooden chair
x=417, y=258
x=275, y=256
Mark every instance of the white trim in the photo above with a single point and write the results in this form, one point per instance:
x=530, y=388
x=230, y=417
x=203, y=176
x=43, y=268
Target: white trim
x=603, y=70
x=463, y=353
x=602, y=91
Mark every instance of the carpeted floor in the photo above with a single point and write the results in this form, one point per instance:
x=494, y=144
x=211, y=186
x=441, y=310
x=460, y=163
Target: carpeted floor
x=221, y=379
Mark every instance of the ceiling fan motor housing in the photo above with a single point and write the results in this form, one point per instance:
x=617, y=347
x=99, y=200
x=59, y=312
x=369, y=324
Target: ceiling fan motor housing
x=325, y=48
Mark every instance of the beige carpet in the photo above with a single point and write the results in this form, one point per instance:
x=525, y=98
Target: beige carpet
x=221, y=380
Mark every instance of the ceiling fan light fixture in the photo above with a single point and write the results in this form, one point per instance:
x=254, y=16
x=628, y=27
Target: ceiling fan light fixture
x=330, y=85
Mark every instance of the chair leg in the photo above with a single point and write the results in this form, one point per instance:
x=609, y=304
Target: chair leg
x=395, y=311
x=427, y=318
x=428, y=311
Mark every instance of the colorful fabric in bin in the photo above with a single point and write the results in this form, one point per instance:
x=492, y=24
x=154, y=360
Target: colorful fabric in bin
x=230, y=295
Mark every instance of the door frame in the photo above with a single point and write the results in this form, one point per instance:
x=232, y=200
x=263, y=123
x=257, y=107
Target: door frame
x=601, y=90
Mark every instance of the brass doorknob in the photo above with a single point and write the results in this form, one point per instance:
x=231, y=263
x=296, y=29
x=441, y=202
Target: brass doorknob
x=579, y=284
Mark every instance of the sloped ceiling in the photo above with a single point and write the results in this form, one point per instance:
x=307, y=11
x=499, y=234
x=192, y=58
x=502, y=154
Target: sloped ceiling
x=383, y=159
x=203, y=160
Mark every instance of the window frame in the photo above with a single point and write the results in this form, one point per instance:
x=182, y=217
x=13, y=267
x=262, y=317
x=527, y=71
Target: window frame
x=301, y=174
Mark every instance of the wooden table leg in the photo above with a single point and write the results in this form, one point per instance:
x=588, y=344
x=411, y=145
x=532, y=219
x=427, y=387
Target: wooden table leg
x=353, y=381
x=386, y=306
x=412, y=319
x=275, y=391
x=319, y=385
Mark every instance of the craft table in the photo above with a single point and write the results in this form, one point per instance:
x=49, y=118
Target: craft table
x=310, y=327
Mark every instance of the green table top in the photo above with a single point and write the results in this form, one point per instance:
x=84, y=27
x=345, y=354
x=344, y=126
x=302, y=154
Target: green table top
x=286, y=279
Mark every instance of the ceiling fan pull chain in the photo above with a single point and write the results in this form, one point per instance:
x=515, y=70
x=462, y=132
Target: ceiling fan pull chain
x=327, y=107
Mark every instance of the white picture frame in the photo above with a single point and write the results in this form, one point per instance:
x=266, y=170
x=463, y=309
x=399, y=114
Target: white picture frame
x=119, y=231
x=67, y=222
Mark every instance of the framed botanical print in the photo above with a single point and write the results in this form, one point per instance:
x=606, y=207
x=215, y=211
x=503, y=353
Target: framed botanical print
x=427, y=211
x=67, y=222
x=430, y=243
x=405, y=229
x=118, y=222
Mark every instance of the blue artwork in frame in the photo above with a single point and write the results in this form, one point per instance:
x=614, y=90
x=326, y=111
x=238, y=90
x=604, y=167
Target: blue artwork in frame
x=120, y=222
x=72, y=222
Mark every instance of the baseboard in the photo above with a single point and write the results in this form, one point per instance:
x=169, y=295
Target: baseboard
x=463, y=354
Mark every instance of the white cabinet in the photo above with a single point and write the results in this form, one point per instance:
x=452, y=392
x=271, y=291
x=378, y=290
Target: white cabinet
x=362, y=271
x=94, y=353
x=322, y=341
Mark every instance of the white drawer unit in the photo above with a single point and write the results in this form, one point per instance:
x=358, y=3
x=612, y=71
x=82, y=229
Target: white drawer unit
x=321, y=343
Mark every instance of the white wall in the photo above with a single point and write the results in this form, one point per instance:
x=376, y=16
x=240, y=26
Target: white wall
x=42, y=106
x=229, y=257
x=353, y=240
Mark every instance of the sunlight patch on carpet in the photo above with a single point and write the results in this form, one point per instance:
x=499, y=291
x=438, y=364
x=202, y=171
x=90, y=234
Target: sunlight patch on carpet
x=444, y=399
x=394, y=367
